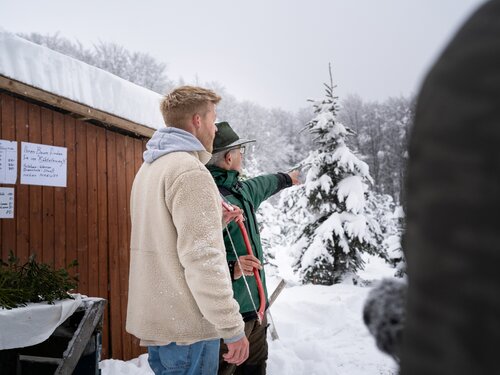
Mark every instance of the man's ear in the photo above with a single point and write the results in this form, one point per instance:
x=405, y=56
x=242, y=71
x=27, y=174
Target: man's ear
x=196, y=120
x=228, y=157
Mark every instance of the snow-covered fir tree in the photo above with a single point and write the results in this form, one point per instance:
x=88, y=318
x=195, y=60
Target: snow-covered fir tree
x=270, y=221
x=381, y=208
x=392, y=242
x=336, y=229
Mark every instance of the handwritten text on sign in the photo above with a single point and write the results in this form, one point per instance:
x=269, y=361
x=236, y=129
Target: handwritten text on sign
x=8, y=162
x=6, y=203
x=43, y=164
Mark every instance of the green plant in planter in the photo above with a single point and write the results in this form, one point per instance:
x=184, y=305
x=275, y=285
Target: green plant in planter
x=33, y=282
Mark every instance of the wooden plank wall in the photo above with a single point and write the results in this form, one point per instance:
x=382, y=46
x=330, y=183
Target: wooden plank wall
x=88, y=220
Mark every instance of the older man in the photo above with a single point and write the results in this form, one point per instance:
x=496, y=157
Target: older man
x=225, y=167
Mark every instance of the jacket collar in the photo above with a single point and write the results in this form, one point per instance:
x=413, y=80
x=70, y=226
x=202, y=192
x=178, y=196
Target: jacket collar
x=224, y=177
x=203, y=156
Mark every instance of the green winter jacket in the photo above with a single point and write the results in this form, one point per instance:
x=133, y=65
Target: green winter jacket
x=248, y=195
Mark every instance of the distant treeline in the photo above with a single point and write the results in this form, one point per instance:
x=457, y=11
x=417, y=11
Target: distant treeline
x=381, y=128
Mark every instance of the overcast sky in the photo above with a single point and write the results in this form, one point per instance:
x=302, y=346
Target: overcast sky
x=273, y=52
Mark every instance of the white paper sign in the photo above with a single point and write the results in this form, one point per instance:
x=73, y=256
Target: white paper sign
x=6, y=203
x=8, y=162
x=43, y=164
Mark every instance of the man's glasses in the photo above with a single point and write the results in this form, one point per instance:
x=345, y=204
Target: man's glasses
x=241, y=149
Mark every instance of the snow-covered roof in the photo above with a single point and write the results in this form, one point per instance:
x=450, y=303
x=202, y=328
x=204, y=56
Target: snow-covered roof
x=51, y=71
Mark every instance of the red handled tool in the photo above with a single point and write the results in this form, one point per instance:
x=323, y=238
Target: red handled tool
x=260, y=287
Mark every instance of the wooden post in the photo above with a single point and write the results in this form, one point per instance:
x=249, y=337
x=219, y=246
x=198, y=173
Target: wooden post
x=88, y=324
x=277, y=291
x=272, y=327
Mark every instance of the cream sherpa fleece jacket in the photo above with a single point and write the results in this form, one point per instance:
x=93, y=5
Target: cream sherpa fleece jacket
x=179, y=285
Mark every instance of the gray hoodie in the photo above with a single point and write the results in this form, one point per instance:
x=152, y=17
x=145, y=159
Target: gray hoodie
x=170, y=139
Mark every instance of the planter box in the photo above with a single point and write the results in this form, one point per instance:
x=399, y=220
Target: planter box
x=73, y=348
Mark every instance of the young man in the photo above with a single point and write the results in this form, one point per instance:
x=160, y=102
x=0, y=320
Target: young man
x=180, y=300
x=225, y=167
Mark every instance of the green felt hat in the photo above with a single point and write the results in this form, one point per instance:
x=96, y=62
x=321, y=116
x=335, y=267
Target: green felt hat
x=226, y=138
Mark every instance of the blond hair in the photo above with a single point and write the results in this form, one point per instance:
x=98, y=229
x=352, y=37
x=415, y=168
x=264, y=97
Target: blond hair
x=182, y=103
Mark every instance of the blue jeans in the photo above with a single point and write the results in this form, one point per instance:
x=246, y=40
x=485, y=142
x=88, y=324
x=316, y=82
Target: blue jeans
x=200, y=358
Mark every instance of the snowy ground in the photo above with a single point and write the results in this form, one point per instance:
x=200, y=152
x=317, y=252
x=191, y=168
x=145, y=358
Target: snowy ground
x=320, y=328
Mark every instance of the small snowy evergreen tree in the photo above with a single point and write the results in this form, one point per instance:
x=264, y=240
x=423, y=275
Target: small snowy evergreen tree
x=395, y=253
x=381, y=208
x=338, y=228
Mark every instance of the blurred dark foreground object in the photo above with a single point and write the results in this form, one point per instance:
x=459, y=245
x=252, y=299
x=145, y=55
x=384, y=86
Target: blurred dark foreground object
x=384, y=315
x=452, y=240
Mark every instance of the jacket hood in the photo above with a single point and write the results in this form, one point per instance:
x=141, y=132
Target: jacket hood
x=170, y=139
